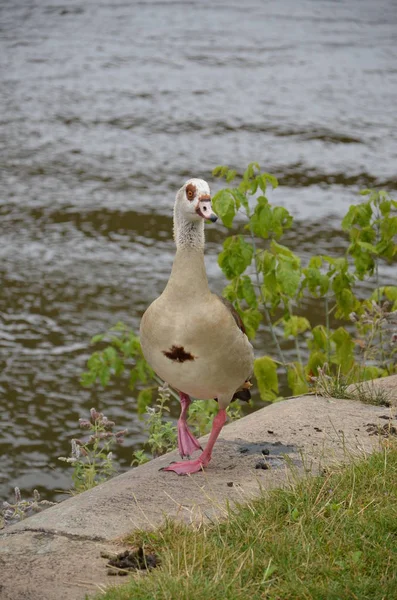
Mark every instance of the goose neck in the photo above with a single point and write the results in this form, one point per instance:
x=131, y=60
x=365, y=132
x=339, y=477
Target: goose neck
x=188, y=235
x=188, y=275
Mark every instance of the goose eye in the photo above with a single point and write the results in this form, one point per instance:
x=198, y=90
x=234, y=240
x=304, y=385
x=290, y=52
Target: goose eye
x=190, y=191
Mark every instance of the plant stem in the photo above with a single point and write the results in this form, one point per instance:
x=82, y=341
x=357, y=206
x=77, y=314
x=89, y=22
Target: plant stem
x=297, y=348
x=298, y=352
x=376, y=259
x=266, y=311
x=327, y=327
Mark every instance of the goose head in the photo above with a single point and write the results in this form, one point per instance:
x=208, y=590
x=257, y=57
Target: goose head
x=193, y=202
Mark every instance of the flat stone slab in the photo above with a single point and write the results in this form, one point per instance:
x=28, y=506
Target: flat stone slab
x=39, y=565
x=252, y=455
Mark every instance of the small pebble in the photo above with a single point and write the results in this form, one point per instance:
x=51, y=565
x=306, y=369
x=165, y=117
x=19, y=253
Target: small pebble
x=261, y=465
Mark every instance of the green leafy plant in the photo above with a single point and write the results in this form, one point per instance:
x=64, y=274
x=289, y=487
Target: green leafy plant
x=162, y=433
x=92, y=460
x=121, y=355
x=268, y=282
x=202, y=412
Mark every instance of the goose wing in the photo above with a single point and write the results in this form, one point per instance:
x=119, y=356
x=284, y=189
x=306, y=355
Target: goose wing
x=233, y=312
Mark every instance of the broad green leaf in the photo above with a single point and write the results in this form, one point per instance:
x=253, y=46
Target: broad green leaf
x=281, y=219
x=251, y=319
x=270, y=290
x=224, y=206
x=110, y=354
x=363, y=261
x=229, y=292
x=288, y=277
x=348, y=219
x=235, y=257
x=295, y=325
x=316, y=361
x=104, y=375
x=265, y=370
x=240, y=198
x=271, y=179
x=315, y=262
x=386, y=249
x=267, y=262
x=231, y=174
x=319, y=338
x=385, y=207
x=97, y=338
x=262, y=183
x=249, y=173
x=248, y=291
x=368, y=247
x=143, y=400
x=388, y=227
x=253, y=186
x=297, y=379
x=279, y=249
x=133, y=379
x=344, y=348
x=316, y=282
x=220, y=171
x=388, y=291
x=346, y=303
x=264, y=221
x=144, y=371
x=216, y=172
x=370, y=372
x=87, y=378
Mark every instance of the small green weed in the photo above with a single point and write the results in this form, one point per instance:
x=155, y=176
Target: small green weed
x=92, y=460
x=162, y=433
x=341, y=386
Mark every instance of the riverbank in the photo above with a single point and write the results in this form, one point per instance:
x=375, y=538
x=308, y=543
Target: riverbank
x=57, y=553
x=326, y=537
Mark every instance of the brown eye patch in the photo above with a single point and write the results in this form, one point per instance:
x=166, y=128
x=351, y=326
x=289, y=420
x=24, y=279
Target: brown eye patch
x=190, y=191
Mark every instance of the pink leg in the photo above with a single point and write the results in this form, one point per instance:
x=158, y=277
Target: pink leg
x=193, y=466
x=187, y=443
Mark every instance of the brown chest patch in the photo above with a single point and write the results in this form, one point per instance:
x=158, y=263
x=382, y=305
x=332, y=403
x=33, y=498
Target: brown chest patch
x=178, y=354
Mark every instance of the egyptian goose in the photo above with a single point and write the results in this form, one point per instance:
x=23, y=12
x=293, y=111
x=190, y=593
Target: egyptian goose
x=191, y=338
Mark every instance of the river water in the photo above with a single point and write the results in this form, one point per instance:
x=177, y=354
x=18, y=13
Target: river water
x=106, y=108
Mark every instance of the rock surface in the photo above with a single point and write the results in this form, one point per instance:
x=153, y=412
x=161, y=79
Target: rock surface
x=56, y=554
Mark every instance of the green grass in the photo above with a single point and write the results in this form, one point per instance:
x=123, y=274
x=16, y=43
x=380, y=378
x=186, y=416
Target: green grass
x=327, y=538
x=351, y=387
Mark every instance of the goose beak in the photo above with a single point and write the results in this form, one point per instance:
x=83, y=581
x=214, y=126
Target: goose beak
x=204, y=209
